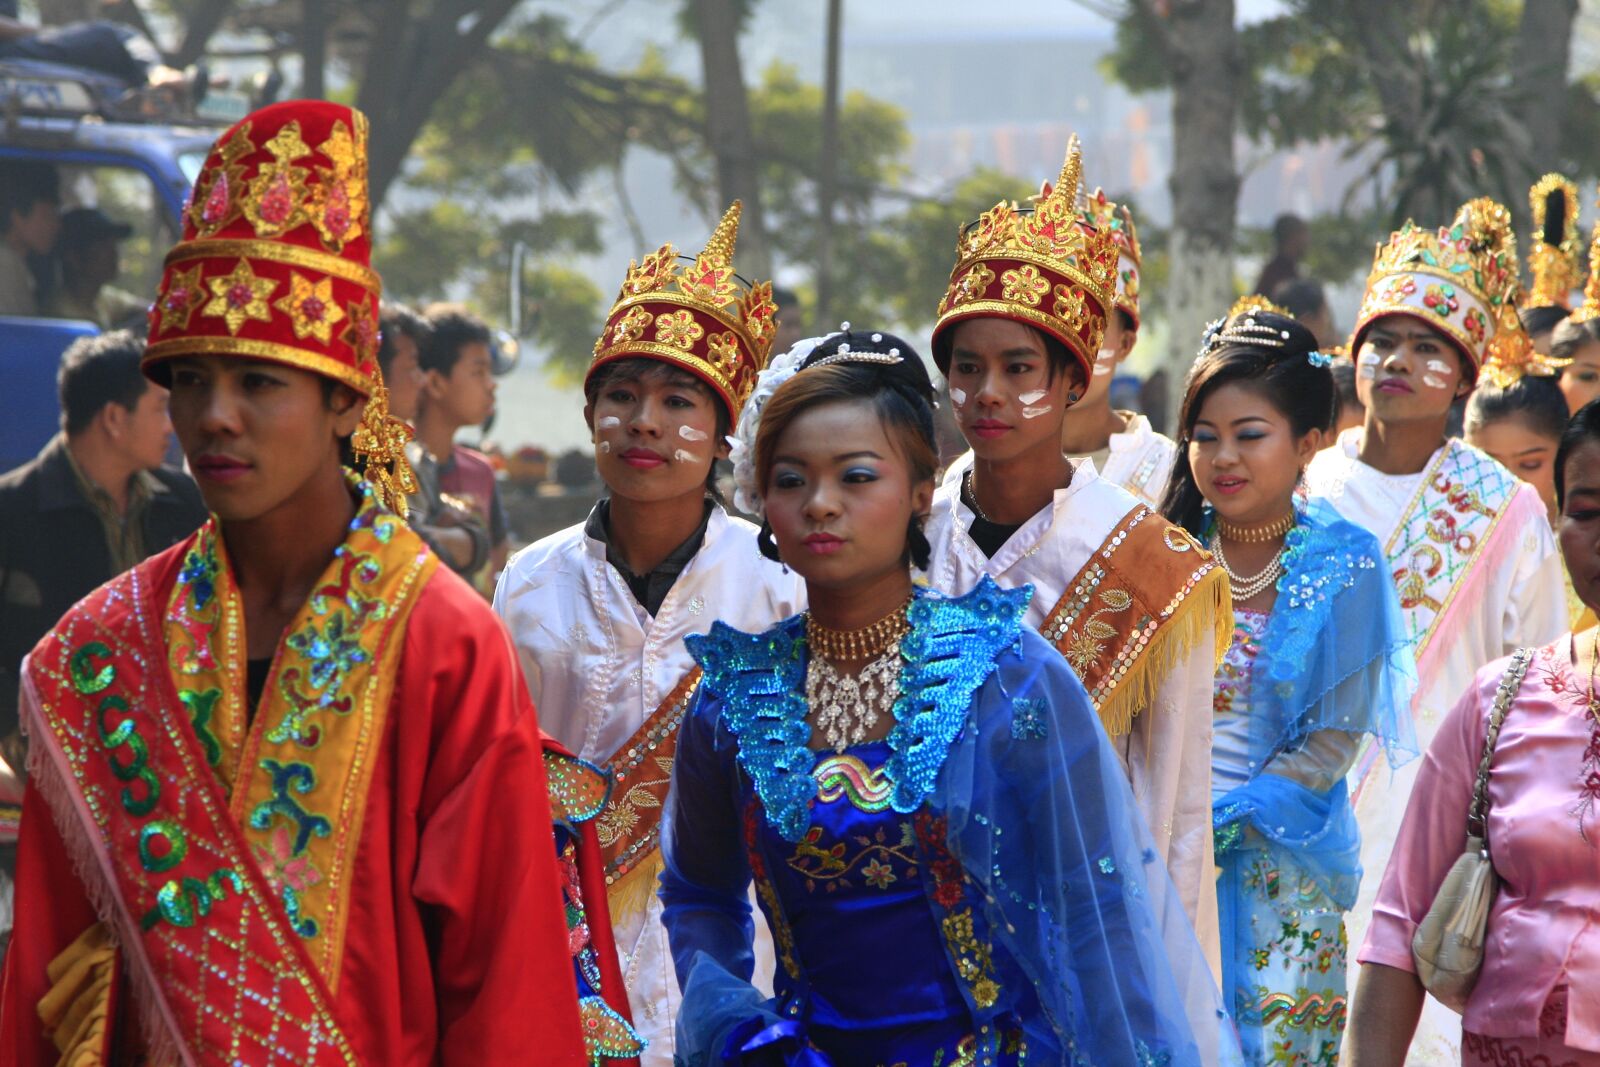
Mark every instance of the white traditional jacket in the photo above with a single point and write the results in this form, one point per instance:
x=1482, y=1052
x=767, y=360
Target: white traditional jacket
x=1167, y=749
x=599, y=666
x=1479, y=576
x=1140, y=459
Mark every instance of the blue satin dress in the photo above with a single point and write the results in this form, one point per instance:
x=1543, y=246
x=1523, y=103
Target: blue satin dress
x=977, y=889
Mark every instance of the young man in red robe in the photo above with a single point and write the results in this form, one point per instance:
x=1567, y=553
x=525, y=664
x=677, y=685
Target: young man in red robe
x=287, y=800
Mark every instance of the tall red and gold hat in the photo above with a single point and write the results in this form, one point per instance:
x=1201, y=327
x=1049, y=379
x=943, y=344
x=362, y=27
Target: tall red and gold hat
x=1041, y=267
x=695, y=314
x=1590, y=308
x=275, y=264
x=1460, y=279
x=1111, y=216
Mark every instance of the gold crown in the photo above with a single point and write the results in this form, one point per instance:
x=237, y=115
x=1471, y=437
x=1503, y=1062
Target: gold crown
x=1256, y=302
x=697, y=314
x=1460, y=279
x=1039, y=266
x=1553, y=258
x=1109, y=215
x=1590, y=308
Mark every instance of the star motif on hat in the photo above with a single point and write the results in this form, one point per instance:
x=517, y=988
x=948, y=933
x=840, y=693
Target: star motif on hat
x=362, y=333
x=310, y=307
x=177, y=304
x=238, y=297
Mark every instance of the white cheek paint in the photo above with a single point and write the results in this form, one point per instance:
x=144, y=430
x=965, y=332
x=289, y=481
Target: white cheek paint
x=605, y=446
x=1367, y=365
x=1033, y=411
x=689, y=433
x=1434, y=376
x=958, y=397
x=609, y=422
x=1033, y=397
x=1105, y=362
x=683, y=456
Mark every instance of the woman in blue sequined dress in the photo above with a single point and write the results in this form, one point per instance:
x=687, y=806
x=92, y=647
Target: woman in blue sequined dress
x=1319, y=666
x=939, y=834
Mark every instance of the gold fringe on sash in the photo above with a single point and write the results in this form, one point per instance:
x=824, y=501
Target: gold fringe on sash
x=1207, y=610
x=631, y=893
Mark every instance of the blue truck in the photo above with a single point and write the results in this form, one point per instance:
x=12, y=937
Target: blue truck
x=129, y=154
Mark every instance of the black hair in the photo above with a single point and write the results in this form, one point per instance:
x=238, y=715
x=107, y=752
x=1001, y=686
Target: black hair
x=1538, y=320
x=1572, y=335
x=1301, y=390
x=96, y=371
x=1300, y=296
x=1129, y=324
x=901, y=392
x=395, y=320
x=451, y=328
x=1583, y=429
x=1344, y=388
x=1536, y=400
x=1285, y=227
x=648, y=371
x=24, y=183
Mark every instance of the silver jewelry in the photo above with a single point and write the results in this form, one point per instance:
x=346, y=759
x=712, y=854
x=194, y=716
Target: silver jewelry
x=972, y=495
x=849, y=707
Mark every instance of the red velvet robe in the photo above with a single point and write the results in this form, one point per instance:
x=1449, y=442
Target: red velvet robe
x=456, y=949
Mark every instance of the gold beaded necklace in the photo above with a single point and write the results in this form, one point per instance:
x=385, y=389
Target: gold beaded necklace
x=850, y=646
x=1270, y=531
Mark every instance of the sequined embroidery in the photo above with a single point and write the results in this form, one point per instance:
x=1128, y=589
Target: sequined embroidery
x=973, y=958
x=843, y=775
x=782, y=933
x=885, y=859
x=949, y=653
x=298, y=775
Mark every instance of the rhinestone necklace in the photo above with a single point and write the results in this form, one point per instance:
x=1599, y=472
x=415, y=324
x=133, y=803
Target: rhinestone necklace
x=849, y=707
x=972, y=497
x=1243, y=587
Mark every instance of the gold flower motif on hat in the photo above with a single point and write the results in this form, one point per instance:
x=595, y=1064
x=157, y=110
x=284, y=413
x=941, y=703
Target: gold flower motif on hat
x=993, y=228
x=631, y=326
x=219, y=205
x=339, y=203
x=709, y=281
x=310, y=307
x=1130, y=283
x=651, y=273
x=758, y=312
x=183, y=294
x=275, y=202
x=679, y=329
x=1070, y=306
x=1024, y=285
x=972, y=285
x=239, y=297
x=724, y=350
x=362, y=333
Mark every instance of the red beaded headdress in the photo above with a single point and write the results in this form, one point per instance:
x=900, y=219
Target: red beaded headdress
x=275, y=264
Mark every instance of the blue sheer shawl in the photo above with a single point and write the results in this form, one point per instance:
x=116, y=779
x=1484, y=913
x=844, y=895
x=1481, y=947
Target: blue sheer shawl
x=996, y=734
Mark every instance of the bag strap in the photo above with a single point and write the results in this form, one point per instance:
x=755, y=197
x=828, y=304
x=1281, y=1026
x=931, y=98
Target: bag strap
x=1510, y=682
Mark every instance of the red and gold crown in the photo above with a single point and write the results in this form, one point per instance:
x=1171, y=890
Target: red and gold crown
x=1460, y=279
x=1553, y=259
x=1590, y=308
x=697, y=315
x=1109, y=215
x=275, y=264
x=1041, y=267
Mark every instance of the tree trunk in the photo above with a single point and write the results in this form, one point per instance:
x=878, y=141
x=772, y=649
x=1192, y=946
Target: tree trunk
x=827, y=187
x=728, y=131
x=313, y=49
x=204, y=20
x=1539, y=76
x=1204, y=51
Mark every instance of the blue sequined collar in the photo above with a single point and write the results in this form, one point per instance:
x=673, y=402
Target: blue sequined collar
x=760, y=680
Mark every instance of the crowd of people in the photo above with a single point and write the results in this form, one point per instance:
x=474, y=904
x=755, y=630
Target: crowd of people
x=1090, y=746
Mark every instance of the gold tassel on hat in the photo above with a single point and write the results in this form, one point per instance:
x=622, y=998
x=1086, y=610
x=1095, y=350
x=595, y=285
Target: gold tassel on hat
x=380, y=443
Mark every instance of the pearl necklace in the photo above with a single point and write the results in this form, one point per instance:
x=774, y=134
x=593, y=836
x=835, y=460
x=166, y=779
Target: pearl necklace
x=848, y=708
x=1244, y=587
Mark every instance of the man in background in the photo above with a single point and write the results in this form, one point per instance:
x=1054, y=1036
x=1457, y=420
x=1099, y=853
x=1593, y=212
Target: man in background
x=1304, y=299
x=1291, y=239
x=30, y=219
x=90, y=261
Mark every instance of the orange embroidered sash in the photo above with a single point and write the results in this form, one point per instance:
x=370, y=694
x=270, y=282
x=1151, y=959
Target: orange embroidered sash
x=221, y=849
x=630, y=825
x=1143, y=600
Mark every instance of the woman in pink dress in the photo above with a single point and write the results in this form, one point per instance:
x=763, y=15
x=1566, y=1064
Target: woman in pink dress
x=1537, y=1000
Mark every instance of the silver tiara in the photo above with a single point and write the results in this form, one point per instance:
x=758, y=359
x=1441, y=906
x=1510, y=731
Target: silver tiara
x=844, y=355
